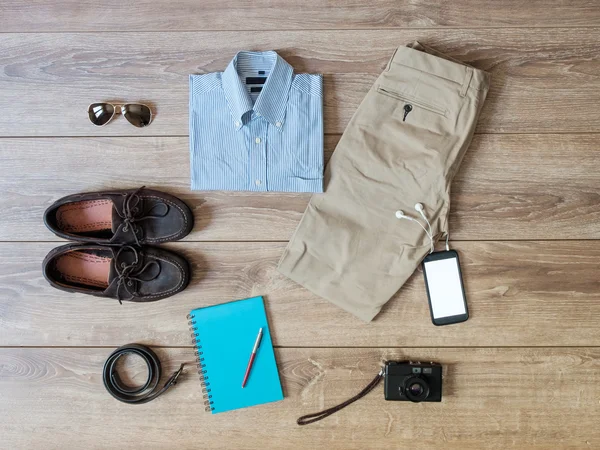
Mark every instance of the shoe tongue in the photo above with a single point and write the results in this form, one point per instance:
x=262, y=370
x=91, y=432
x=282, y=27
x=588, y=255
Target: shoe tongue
x=127, y=257
x=116, y=221
x=112, y=288
x=118, y=203
x=118, y=207
x=112, y=273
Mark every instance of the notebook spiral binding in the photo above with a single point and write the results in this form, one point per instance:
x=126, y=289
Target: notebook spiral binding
x=208, y=402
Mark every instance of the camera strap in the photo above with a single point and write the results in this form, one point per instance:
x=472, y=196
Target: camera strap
x=315, y=417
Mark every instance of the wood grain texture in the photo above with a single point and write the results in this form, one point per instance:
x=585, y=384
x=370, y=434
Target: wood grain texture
x=493, y=399
x=519, y=294
x=509, y=187
x=543, y=80
x=191, y=15
x=522, y=372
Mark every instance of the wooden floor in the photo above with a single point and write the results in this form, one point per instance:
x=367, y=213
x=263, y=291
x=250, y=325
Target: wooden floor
x=523, y=372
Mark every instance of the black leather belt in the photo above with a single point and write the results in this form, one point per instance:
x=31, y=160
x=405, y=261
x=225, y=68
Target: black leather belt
x=142, y=394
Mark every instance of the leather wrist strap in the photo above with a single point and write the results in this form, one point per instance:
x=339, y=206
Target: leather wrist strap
x=314, y=417
x=142, y=394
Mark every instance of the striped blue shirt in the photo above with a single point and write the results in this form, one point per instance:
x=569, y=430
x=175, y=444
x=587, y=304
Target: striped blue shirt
x=248, y=136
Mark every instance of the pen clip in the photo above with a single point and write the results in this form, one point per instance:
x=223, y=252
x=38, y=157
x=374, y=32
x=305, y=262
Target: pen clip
x=258, y=340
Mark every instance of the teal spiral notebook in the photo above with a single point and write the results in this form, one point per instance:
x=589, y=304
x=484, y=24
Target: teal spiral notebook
x=224, y=336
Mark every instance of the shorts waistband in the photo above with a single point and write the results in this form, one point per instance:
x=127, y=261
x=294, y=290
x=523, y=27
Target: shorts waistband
x=426, y=59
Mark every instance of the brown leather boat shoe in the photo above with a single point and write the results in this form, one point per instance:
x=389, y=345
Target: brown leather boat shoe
x=126, y=273
x=140, y=216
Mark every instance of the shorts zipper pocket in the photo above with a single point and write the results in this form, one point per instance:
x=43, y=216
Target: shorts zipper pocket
x=413, y=101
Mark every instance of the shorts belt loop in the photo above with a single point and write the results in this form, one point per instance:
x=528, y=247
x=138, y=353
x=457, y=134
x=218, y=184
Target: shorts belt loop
x=389, y=64
x=467, y=82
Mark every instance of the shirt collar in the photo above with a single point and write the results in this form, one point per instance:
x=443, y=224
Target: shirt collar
x=271, y=102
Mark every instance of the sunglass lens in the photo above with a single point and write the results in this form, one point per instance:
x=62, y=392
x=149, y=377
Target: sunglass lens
x=138, y=115
x=100, y=113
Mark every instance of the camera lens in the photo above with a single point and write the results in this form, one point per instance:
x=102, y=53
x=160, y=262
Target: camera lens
x=416, y=388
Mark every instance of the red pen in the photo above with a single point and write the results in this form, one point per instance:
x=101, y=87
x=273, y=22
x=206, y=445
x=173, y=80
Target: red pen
x=254, y=350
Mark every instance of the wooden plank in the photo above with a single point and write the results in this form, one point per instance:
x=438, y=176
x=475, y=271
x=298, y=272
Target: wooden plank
x=519, y=294
x=493, y=398
x=543, y=80
x=190, y=15
x=509, y=187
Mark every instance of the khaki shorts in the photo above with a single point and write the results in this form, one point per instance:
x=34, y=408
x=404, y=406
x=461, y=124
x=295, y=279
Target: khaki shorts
x=403, y=146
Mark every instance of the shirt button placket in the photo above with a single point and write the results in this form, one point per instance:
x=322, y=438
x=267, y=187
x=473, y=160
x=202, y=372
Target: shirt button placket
x=261, y=182
x=259, y=159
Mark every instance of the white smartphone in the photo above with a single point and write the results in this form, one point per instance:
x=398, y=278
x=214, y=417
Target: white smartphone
x=445, y=290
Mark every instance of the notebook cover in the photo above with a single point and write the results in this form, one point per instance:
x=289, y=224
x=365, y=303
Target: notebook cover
x=226, y=335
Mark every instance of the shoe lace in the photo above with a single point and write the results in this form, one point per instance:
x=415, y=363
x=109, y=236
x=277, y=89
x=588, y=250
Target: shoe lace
x=128, y=275
x=131, y=213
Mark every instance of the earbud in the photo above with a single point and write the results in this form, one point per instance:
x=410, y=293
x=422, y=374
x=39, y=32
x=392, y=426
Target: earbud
x=400, y=215
x=419, y=207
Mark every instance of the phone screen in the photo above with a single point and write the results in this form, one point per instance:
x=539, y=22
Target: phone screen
x=444, y=286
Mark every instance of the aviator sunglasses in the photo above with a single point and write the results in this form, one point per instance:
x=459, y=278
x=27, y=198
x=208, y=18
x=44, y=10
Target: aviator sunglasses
x=136, y=114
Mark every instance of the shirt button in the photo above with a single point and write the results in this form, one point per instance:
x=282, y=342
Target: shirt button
x=257, y=140
x=237, y=124
x=258, y=182
x=278, y=124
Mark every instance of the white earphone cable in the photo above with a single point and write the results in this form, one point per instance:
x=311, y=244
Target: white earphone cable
x=419, y=208
x=400, y=215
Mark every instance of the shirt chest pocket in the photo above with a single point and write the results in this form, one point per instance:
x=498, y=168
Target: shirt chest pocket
x=297, y=153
